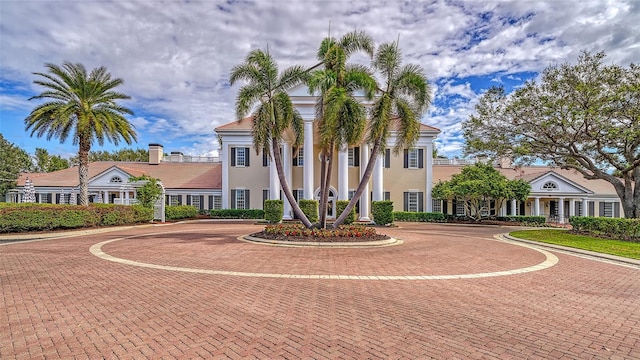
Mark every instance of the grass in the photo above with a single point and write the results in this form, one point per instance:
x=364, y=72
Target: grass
x=562, y=237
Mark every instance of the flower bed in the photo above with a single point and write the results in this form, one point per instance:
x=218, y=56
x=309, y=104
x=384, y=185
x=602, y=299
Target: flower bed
x=298, y=233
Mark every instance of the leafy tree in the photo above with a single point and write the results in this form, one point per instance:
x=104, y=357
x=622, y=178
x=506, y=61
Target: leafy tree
x=274, y=114
x=342, y=118
x=81, y=105
x=149, y=192
x=48, y=163
x=477, y=186
x=14, y=160
x=127, y=154
x=403, y=98
x=584, y=117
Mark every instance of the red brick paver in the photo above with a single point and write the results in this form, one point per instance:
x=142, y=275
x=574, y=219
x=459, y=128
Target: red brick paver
x=60, y=301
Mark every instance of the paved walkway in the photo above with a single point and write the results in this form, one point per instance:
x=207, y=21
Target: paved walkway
x=196, y=291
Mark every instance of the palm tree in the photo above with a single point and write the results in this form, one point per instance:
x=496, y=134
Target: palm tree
x=342, y=118
x=81, y=105
x=274, y=113
x=404, y=99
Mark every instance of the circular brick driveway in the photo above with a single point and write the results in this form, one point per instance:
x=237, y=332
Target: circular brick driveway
x=196, y=291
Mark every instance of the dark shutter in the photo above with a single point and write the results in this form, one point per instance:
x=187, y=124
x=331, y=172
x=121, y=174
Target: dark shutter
x=201, y=202
x=420, y=202
x=246, y=156
x=406, y=198
x=264, y=158
x=57, y=198
x=188, y=199
x=280, y=195
x=601, y=208
x=233, y=199
x=265, y=197
x=420, y=158
x=592, y=206
x=247, y=201
x=179, y=199
x=210, y=202
x=166, y=200
x=233, y=156
x=387, y=196
x=616, y=209
x=406, y=159
x=445, y=206
x=387, y=158
x=356, y=156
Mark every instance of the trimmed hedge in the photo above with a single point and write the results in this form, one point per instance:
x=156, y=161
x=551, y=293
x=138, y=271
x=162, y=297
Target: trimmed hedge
x=617, y=228
x=309, y=208
x=175, y=212
x=237, y=214
x=419, y=216
x=382, y=212
x=340, y=206
x=273, y=210
x=534, y=220
x=41, y=217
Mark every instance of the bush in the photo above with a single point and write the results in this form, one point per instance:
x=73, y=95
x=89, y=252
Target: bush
x=237, y=214
x=340, y=206
x=310, y=208
x=522, y=219
x=618, y=228
x=300, y=230
x=175, y=212
x=382, y=212
x=419, y=216
x=273, y=210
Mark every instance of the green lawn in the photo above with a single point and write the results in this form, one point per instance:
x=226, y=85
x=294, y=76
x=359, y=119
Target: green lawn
x=562, y=237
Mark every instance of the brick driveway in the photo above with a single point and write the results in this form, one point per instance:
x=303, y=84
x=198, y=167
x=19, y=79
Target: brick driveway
x=60, y=301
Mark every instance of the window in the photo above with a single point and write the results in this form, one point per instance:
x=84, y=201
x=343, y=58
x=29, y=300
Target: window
x=387, y=196
x=357, y=207
x=240, y=156
x=484, y=208
x=354, y=156
x=606, y=209
x=437, y=205
x=195, y=201
x=298, y=159
x=413, y=201
x=175, y=200
x=266, y=161
x=413, y=158
x=240, y=199
x=550, y=185
x=387, y=158
x=460, y=208
x=116, y=179
x=579, y=209
x=217, y=202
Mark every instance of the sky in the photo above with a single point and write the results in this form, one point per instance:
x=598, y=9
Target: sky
x=175, y=56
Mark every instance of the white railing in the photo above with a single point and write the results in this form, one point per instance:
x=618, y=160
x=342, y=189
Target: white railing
x=190, y=158
x=439, y=161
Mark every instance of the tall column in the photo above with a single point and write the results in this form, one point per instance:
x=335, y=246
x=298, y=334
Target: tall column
x=378, y=181
x=286, y=163
x=537, y=207
x=585, y=207
x=572, y=207
x=105, y=197
x=514, y=207
x=126, y=199
x=561, y=210
x=53, y=198
x=226, y=192
x=429, y=180
x=364, y=198
x=343, y=174
x=274, y=182
x=308, y=160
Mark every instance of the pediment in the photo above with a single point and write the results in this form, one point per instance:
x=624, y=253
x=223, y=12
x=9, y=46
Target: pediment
x=554, y=183
x=109, y=178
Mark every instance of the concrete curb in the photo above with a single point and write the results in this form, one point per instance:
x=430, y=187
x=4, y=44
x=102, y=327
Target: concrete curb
x=362, y=244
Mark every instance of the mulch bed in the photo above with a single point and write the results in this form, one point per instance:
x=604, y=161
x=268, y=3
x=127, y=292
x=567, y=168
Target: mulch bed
x=337, y=239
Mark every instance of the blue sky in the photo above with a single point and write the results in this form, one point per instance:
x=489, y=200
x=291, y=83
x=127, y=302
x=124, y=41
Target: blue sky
x=175, y=56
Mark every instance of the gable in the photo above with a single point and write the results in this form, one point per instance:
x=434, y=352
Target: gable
x=108, y=178
x=552, y=183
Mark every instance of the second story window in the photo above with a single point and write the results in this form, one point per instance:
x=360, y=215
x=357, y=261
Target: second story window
x=239, y=156
x=298, y=157
x=413, y=158
x=354, y=156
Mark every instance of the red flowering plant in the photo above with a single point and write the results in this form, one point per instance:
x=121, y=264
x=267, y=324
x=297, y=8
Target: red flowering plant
x=354, y=231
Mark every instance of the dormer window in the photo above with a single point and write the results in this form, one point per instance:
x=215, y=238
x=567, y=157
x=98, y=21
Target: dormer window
x=550, y=185
x=116, y=179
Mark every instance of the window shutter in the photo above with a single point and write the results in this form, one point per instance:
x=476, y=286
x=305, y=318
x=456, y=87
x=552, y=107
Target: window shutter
x=246, y=157
x=356, y=156
x=592, y=206
x=616, y=209
x=188, y=199
x=264, y=157
x=265, y=197
x=420, y=202
x=166, y=200
x=601, y=208
x=57, y=198
x=210, y=202
x=387, y=196
x=179, y=199
x=233, y=199
x=387, y=158
x=445, y=209
x=406, y=159
x=406, y=198
x=247, y=201
x=420, y=158
x=233, y=156
x=201, y=202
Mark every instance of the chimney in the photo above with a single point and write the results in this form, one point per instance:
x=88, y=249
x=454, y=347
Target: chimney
x=176, y=156
x=156, y=152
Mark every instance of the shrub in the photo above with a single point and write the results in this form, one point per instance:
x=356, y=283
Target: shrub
x=340, y=206
x=237, y=214
x=618, y=228
x=300, y=230
x=310, y=208
x=522, y=219
x=175, y=212
x=273, y=210
x=419, y=216
x=382, y=212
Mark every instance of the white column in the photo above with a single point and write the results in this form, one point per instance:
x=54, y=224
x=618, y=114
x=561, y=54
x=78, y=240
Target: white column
x=561, y=210
x=364, y=198
x=537, y=207
x=274, y=182
x=378, y=180
x=429, y=167
x=286, y=163
x=105, y=197
x=226, y=193
x=585, y=208
x=572, y=207
x=126, y=198
x=514, y=207
x=308, y=160
x=343, y=174
x=53, y=198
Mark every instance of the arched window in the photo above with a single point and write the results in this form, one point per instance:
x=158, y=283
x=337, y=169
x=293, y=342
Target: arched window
x=550, y=185
x=116, y=179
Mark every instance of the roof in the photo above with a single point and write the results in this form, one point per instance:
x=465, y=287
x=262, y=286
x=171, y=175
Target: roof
x=247, y=123
x=173, y=175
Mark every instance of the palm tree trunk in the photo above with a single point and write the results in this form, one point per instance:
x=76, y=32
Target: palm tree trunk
x=285, y=186
x=322, y=208
x=83, y=169
x=327, y=183
x=365, y=179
